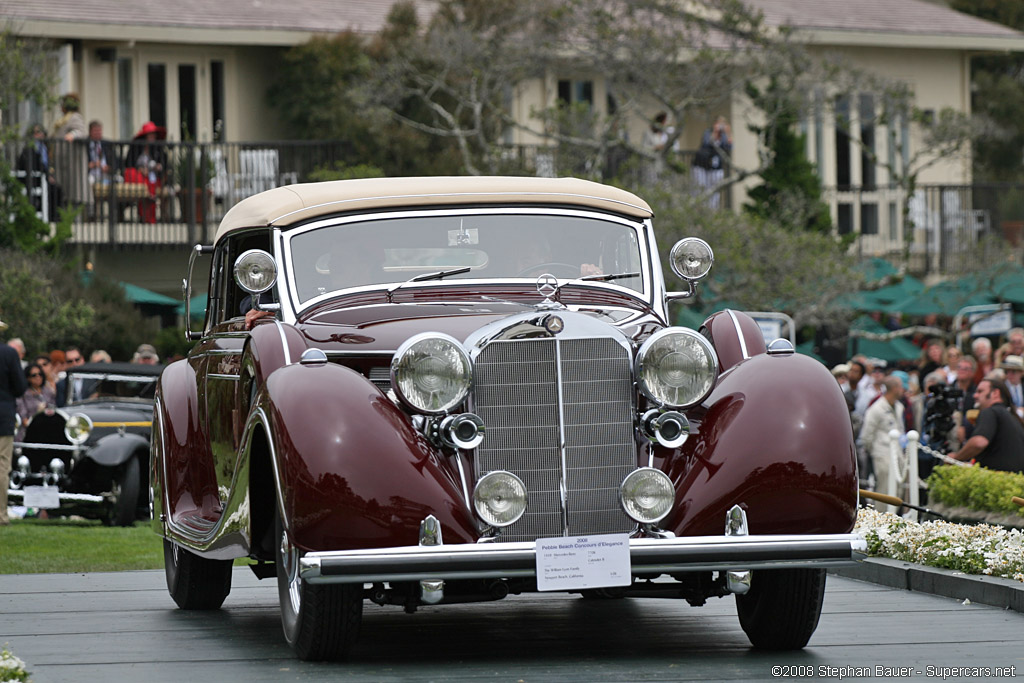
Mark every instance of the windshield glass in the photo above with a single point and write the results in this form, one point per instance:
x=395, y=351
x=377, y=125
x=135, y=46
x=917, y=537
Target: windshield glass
x=499, y=246
x=107, y=386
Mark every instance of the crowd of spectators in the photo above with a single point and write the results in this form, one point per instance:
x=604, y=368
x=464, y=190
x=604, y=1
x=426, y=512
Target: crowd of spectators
x=46, y=375
x=969, y=406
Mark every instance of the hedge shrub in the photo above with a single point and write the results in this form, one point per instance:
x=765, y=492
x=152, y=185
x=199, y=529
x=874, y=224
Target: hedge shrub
x=976, y=488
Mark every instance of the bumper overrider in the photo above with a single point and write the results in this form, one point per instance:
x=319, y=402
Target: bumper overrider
x=647, y=556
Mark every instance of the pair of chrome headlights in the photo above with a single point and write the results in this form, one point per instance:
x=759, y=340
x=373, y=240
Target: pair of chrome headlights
x=432, y=373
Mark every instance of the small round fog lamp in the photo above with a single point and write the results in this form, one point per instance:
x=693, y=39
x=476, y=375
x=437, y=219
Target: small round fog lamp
x=500, y=498
x=647, y=495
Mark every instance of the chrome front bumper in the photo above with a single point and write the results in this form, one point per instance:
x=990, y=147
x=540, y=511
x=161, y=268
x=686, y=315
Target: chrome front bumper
x=647, y=556
x=63, y=497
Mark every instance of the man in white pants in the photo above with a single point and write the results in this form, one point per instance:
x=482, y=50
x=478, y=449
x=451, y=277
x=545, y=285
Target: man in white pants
x=881, y=417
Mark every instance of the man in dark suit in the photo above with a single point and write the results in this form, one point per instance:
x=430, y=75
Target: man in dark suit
x=36, y=172
x=12, y=386
x=81, y=388
x=102, y=161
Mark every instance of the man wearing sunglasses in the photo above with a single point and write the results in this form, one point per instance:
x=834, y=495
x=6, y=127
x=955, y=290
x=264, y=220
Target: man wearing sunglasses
x=12, y=385
x=72, y=358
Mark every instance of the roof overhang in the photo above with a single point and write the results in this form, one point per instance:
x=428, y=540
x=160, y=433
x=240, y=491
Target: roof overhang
x=921, y=41
x=148, y=33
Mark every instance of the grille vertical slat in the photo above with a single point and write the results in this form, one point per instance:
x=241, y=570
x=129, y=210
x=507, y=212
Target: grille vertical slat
x=519, y=398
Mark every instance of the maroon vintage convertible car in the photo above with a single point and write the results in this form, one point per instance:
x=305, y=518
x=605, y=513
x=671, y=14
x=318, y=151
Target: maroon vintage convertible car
x=454, y=389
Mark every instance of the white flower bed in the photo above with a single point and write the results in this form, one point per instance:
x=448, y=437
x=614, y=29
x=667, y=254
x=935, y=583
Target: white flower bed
x=12, y=669
x=972, y=549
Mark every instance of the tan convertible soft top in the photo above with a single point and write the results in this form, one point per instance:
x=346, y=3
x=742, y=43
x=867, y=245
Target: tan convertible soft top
x=294, y=203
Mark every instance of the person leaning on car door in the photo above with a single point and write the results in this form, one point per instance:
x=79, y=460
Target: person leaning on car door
x=12, y=386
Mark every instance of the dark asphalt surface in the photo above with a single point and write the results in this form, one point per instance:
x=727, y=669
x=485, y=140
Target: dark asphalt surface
x=124, y=627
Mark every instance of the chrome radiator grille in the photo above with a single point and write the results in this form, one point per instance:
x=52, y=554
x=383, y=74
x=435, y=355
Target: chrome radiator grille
x=559, y=415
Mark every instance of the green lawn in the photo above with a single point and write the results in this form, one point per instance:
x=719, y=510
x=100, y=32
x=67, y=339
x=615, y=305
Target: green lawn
x=38, y=546
x=33, y=546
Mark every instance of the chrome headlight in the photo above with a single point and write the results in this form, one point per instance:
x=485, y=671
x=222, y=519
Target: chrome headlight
x=691, y=259
x=676, y=367
x=647, y=495
x=255, y=271
x=431, y=373
x=77, y=428
x=500, y=498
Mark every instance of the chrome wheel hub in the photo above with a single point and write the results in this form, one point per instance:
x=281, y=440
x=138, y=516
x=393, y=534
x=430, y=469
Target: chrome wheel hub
x=290, y=562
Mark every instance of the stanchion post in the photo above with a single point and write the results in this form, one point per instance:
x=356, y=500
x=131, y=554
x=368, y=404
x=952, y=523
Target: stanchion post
x=913, y=485
x=894, y=464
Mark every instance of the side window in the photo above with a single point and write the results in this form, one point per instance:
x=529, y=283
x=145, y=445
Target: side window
x=220, y=278
x=236, y=246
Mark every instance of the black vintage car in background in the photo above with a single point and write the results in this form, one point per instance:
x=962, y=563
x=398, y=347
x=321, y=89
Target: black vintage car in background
x=90, y=457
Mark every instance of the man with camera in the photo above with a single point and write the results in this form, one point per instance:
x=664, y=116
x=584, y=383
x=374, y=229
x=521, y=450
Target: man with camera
x=998, y=438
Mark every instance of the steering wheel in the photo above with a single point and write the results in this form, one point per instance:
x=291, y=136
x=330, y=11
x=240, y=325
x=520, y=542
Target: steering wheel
x=569, y=270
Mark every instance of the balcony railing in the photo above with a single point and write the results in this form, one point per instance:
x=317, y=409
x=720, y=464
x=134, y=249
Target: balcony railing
x=178, y=193
x=948, y=229
x=169, y=193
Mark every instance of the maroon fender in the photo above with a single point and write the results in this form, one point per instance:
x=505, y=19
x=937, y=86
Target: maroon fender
x=182, y=471
x=735, y=336
x=273, y=345
x=776, y=439
x=353, y=471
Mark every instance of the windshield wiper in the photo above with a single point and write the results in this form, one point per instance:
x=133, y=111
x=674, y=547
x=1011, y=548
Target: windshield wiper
x=423, y=277
x=607, y=278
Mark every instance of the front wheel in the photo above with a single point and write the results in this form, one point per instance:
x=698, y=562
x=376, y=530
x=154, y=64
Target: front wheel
x=781, y=610
x=125, y=505
x=320, y=621
x=195, y=582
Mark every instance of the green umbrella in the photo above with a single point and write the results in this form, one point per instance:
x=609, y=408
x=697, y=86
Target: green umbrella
x=945, y=298
x=874, y=269
x=893, y=349
x=882, y=299
x=138, y=295
x=197, y=304
x=807, y=349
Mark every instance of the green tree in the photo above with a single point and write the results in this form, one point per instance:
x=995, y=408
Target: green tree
x=321, y=93
x=49, y=306
x=760, y=264
x=998, y=95
x=24, y=77
x=790, y=193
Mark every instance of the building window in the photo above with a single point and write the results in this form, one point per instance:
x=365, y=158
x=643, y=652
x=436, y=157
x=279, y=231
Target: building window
x=187, y=102
x=572, y=92
x=819, y=134
x=894, y=221
x=868, y=153
x=845, y=216
x=217, y=99
x=125, y=100
x=844, y=174
x=869, y=219
x=157, y=93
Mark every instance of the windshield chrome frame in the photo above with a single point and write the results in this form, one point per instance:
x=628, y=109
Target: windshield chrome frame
x=652, y=293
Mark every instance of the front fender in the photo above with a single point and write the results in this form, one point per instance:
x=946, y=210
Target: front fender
x=181, y=471
x=776, y=439
x=352, y=471
x=114, y=449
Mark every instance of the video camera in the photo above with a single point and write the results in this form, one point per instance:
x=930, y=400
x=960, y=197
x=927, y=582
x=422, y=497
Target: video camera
x=940, y=405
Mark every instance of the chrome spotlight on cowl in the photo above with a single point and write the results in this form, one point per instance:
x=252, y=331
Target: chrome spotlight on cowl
x=669, y=428
x=465, y=430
